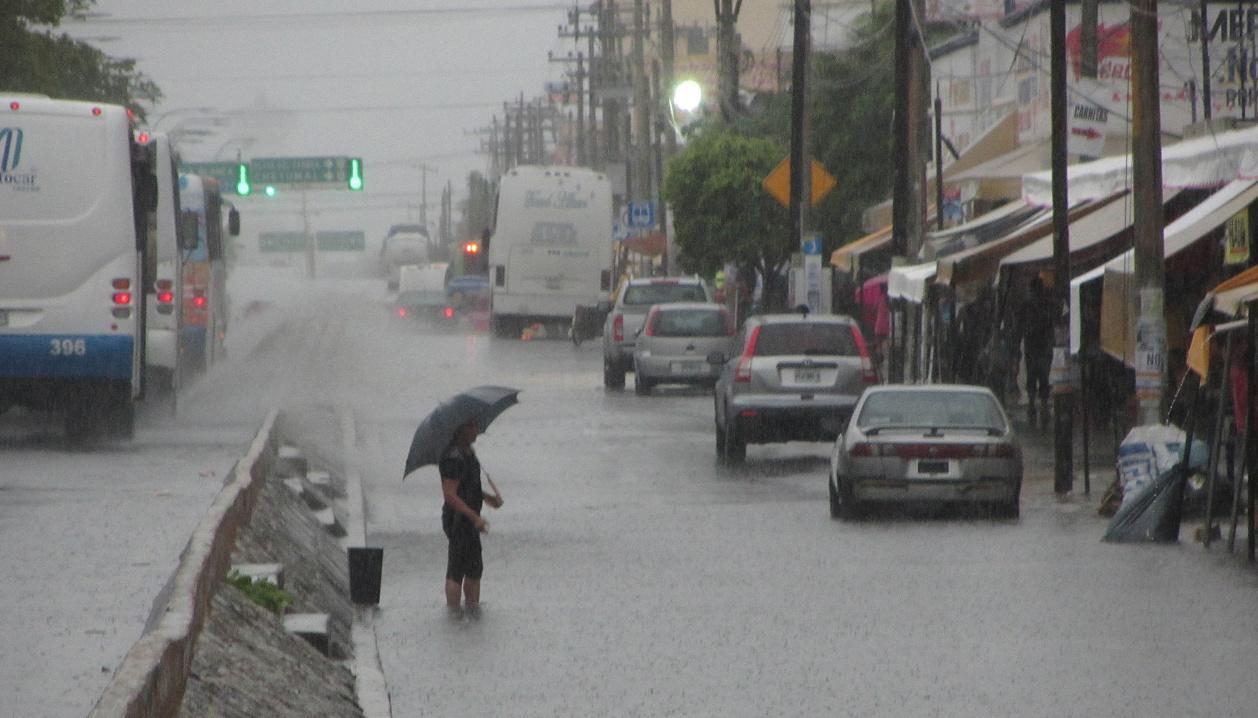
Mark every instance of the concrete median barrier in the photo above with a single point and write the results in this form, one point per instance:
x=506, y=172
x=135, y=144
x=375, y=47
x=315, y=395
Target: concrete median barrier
x=153, y=675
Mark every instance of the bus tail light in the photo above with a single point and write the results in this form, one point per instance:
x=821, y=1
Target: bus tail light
x=448, y=312
x=122, y=299
x=121, y=283
x=165, y=297
x=199, y=301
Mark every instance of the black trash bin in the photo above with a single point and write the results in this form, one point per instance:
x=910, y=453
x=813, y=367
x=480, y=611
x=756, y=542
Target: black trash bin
x=365, y=567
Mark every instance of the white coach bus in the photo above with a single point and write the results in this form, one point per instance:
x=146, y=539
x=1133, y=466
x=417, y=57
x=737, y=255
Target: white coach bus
x=551, y=246
x=75, y=257
x=176, y=233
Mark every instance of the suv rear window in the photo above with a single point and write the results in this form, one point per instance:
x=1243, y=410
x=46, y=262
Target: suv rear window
x=690, y=323
x=812, y=338
x=647, y=294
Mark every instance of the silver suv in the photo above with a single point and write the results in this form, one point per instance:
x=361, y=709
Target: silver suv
x=796, y=378
x=636, y=297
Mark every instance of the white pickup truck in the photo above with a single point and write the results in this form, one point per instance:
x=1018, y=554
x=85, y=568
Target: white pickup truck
x=634, y=300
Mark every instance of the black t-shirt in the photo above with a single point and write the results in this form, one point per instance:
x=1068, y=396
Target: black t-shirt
x=464, y=466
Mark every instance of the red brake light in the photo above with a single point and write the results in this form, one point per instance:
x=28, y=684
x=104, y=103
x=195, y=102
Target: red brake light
x=742, y=372
x=448, y=312
x=15, y=105
x=471, y=248
x=121, y=283
x=165, y=297
x=401, y=311
x=122, y=298
x=96, y=112
x=651, y=318
x=618, y=328
x=143, y=138
x=863, y=450
x=198, y=301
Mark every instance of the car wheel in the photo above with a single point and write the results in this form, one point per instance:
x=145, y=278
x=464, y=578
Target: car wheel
x=613, y=375
x=834, y=499
x=843, y=504
x=641, y=385
x=735, y=444
x=1011, y=509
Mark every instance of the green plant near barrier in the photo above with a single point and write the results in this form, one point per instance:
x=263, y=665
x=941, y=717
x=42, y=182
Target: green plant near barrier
x=262, y=592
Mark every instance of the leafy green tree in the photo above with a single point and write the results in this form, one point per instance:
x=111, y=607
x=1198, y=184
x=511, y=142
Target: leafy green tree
x=34, y=59
x=722, y=214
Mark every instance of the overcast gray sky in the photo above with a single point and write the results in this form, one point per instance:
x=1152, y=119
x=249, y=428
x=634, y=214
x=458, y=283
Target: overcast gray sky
x=394, y=81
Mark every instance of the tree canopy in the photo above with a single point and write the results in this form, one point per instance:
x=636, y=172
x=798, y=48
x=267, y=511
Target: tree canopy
x=35, y=59
x=721, y=213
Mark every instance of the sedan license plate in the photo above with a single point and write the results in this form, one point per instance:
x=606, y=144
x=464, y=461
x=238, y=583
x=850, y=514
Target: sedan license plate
x=808, y=376
x=687, y=367
x=932, y=467
x=4, y=318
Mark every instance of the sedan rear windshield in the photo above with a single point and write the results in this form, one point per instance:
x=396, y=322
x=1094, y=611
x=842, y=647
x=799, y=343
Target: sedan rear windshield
x=690, y=323
x=811, y=339
x=930, y=409
x=647, y=294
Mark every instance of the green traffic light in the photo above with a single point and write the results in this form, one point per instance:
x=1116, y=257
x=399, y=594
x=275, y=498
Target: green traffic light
x=243, y=188
x=355, y=174
x=270, y=190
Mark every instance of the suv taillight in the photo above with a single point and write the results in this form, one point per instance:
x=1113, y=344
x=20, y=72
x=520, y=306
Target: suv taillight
x=618, y=328
x=870, y=373
x=742, y=372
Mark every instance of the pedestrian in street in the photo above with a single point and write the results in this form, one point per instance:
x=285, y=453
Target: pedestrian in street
x=1037, y=345
x=461, y=520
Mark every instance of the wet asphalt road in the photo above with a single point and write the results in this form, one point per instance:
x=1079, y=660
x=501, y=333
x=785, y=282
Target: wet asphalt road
x=630, y=573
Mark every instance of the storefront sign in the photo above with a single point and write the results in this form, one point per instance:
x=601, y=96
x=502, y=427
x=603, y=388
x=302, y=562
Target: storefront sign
x=1236, y=238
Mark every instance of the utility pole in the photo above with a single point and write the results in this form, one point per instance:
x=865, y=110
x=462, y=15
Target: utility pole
x=423, y=190
x=1063, y=401
x=641, y=190
x=664, y=97
x=1203, y=31
x=801, y=190
x=908, y=210
x=1146, y=154
x=727, y=51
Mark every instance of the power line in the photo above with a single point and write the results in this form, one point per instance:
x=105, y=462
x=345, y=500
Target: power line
x=250, y=21
x=359, y=108
x=476, y=72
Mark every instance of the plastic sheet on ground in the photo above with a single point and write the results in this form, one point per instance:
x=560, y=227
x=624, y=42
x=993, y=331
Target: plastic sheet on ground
x=1153, y=487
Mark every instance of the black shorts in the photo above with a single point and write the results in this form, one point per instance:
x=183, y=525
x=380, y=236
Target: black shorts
x=463, y=559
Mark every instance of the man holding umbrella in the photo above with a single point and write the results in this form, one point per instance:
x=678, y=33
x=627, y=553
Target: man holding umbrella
x=461, y=519
x=445, y=438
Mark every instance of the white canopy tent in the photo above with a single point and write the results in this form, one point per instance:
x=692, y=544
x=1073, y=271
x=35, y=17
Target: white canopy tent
x=1178, y=236
x=1201, y=162
x=909, y=282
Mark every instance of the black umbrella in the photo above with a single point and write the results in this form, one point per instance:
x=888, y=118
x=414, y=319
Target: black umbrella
x=482, y=405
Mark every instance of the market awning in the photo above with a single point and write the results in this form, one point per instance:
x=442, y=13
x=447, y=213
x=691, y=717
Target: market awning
x=1002, y=176
x=1119, y=296
x=843, y=258
x=1094, y=238
x=909, y=282
x=981, y=263
x=1230, y=297
x=1207, y=161
x=979, y=230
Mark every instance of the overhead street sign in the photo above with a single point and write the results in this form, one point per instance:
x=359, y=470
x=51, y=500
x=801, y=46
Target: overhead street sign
x=341, y=241
x=224, y=172
x=281, y=242
x=641, y=215
x=299, y=172
x=778, y=182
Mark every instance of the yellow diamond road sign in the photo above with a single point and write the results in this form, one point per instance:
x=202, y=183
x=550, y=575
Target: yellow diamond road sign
x=778, y=183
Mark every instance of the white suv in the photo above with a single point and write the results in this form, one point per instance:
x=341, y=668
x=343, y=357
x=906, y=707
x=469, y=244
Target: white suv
x=635, y=298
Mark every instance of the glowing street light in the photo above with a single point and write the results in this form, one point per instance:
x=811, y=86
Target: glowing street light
x=687, y=96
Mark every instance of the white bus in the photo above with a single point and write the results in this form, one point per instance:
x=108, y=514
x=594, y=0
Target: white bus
x=176, y=232
x=551, y=245
x=204, y=274
x=75, y=254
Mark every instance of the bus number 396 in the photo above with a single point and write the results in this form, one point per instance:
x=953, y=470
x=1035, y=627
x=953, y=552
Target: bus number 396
x=67, y=347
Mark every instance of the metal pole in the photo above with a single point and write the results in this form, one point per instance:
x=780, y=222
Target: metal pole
x=1251, y=459
x=1147, y=190
x=939, y=191
x=1204, y=32
x=1216, y=442
x=800, y=189
x=1063, y=409
x=310, y=243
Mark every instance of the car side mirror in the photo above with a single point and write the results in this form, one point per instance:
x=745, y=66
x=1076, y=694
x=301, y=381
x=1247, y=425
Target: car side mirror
x=233, y=222
x=717, y=358
x=189, y=228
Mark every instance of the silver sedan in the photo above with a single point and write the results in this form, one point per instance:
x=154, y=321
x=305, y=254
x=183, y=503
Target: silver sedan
x=931, y=443
x=675, y=341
